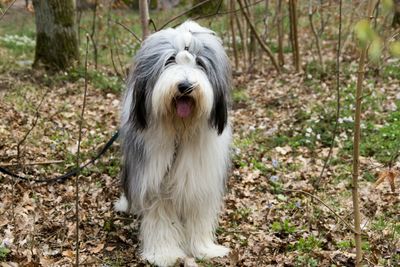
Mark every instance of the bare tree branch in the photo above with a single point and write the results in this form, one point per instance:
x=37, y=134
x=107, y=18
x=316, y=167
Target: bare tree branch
x=183, y=13
x=338, y=106
x=263, y=46
x=323, y=203
x=6, y=10
x=129, y=30
x=78, y=158
x=356, y=148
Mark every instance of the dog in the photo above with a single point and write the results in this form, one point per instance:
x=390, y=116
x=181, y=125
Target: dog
x=175, y=139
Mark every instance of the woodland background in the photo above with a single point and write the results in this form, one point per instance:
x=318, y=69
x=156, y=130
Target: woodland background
x=299, y=68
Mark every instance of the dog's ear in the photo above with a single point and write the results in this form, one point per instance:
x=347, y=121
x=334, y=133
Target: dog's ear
x=149, y=63
x=138, y=113
x=219, y=112
x=219, y=73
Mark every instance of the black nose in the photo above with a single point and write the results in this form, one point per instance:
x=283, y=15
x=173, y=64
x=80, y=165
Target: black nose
x=185, y=87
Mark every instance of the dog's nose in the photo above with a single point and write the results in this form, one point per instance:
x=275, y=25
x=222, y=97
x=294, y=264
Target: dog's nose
x=185, y=87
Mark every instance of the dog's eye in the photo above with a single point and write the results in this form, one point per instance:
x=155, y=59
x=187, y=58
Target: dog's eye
x=170, y=60
x=200, y=63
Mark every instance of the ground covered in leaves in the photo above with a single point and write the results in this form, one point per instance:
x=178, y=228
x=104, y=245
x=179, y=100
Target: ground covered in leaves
x=279, y=209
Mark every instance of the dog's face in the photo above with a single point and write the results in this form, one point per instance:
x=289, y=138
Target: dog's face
x=180, y=75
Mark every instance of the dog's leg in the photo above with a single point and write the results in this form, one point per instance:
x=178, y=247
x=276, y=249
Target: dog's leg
x=200, y=226
x=161, y=234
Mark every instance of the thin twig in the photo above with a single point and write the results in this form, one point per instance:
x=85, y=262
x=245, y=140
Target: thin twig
x=5, y=11
x=37, y=115
x=49, y=162
x=183, y=13
x=356, y=148
x=262, y=44
x=151, y=21
x=323, y=203
x=338, y=107
x=216, y=12
x=93, y=32
x=129, y=30
x=226, y=12
x=118, y=55
x=78, y=158
x=110, y=37
x=317, y=40
x=233, y=31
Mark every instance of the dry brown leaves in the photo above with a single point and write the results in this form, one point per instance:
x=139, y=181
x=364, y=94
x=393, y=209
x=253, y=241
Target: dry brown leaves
x=389, y=176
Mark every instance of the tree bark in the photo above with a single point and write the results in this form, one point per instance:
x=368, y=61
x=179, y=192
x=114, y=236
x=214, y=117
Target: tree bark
x=56, y=34
x=144, y=18
x=293, y=33
x=233, y=30
x=281, y=58
x=396, y=16
x=317, y=41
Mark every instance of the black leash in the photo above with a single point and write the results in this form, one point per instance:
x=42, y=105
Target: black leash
x=69, y=174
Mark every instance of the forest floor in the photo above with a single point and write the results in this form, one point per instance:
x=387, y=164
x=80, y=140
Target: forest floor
x=279, y=210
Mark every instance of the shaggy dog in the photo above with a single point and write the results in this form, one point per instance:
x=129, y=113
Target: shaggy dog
x=175, y=142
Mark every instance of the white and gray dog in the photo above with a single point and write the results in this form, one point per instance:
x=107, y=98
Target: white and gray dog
x=175, y=142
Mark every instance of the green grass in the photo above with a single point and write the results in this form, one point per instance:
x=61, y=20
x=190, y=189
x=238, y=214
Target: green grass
x=383, y=142
x=392, y=70
x=18, y=44
x=100, y=80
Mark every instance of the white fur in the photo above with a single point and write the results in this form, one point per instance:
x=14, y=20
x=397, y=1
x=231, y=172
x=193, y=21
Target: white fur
x=182, y=174
x=121, y=204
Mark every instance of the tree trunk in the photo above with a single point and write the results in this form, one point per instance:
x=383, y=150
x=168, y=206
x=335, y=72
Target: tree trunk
x=314, y=31
x=279, y=22
x=293, y=33
x=233, y=30
x=144, y=18
x=396, y=16
x=56, y=36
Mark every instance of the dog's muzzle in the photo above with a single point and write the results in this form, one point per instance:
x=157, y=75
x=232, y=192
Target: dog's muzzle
x=184, y=103
x=185, y=88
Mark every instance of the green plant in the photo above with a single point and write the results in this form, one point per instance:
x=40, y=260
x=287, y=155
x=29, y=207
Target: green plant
x=18, y=43
x=240, y=95
x=284, y=227
x=306, y=261
x=345, y=244
x=382, y=143
x=4, y=252
x=308, y=244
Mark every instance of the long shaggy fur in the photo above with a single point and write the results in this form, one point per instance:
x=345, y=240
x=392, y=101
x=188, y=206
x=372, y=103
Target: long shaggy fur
x=174, y=166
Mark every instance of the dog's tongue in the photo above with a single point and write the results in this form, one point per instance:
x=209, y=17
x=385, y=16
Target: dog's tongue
x=183, y=107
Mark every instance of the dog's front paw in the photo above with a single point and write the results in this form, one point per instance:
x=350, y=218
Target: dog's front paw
x=163, y=257
x=211, y=250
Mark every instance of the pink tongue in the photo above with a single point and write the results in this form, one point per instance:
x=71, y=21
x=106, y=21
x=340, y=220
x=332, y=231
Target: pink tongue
x=183, y=107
